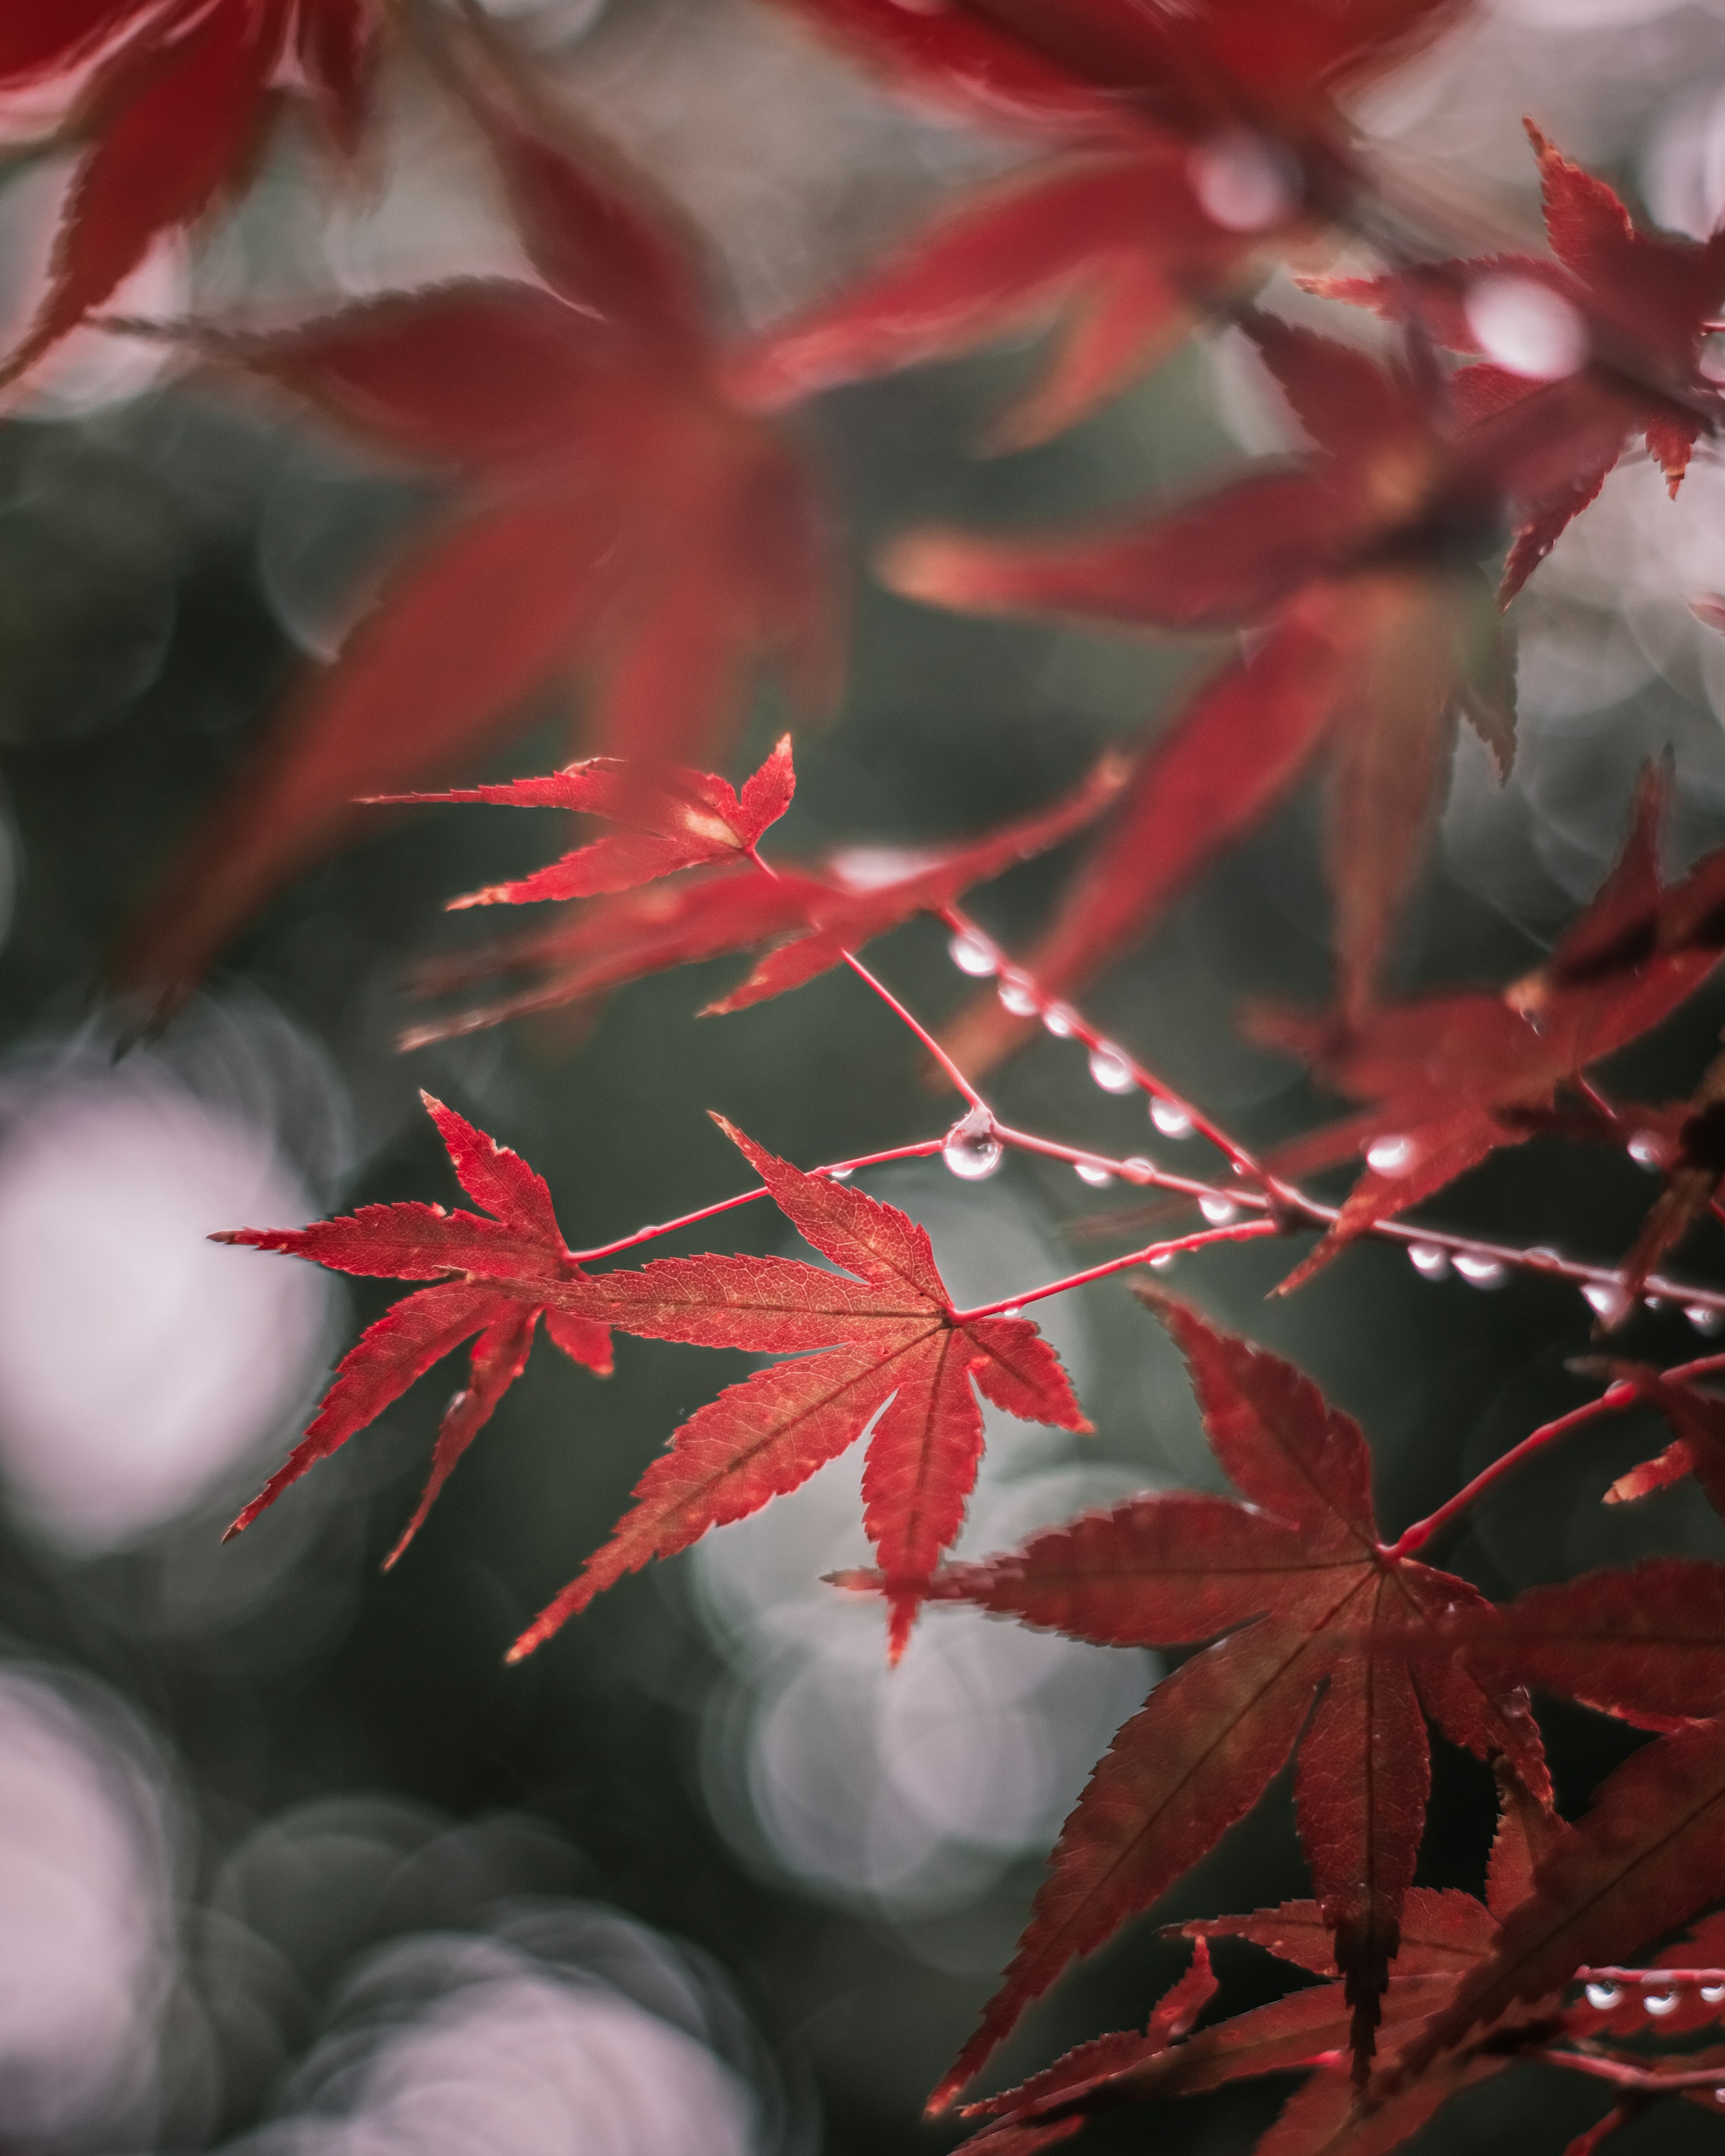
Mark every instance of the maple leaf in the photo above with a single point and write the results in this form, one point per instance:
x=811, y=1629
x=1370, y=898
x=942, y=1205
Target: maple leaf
x=674, y=820
x=1444, y=1935
x=173, y=102
x=1309, y=1606
x=810, y=915
x=1634, y=307
x=1697, y=1447
x=1643, y=1860
x=496, y=1277
x=1452, y=1078
x=617, y=519
x=886, y=1342
x=1120, y=248
x=1271, y=66
x=1353, y=557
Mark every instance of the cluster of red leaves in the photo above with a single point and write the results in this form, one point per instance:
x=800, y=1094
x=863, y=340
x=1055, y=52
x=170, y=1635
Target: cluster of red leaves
x=879, y=1339
x=696, y=842
x=622, y=512
x=1324, y=1642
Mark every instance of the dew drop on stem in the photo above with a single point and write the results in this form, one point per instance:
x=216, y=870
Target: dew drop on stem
x=1481, y=1271
x=1016, y=994
x=1111, y=1070
x=1219, y=1211
x=1607, y=1299
x=1430, y=1260
x=1061, y=1020
x=971, y=953
x=1659, y=2004
x=1704, y=1317
x=971, y=1150
x=1603, y=1997
x=1170, y=1118
x=1093, y=1172
x=1390, y=1156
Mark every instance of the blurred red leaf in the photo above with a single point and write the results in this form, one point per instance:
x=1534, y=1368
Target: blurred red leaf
x=1452, y=1078
x=887, y=1343
x=170, y=117
x=1121, y=251
x=1271, y=66
x=617, y=518
x=1312, y=1609
x=498, y=1277
x=1697, y=1420
x=1352, y=557
x=1635, y=306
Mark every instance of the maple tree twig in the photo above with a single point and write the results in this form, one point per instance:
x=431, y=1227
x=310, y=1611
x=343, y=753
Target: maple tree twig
x=1622, y=2075
x=920, y=1151
x=1650, y=1979
x=1243, y=1162
x=1422, y=1531
x=1237, y=1232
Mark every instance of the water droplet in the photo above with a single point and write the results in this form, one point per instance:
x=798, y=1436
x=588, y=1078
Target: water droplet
x=971, y=1150
x=1655, y=1302
x=1061, y=1020
x=1704, y=1317
x=1170, y=1118
x=1390, y=1156
x=1111, y=1070
x=1219, y=1211
x=1137, y=1169
x=1719, y=2096
x=1430, y=1258
x=1480, y=1271
x=1012, y=1310
x=1245, y=181
x=1093, y=1172
x=1016, y=994
x=1527, y=327
x=1164, y=1259
x=1712, y=1993
x=841, y=1174
x=1659, y=2004
x=1648, y=1150
x=1607, y=1298
x=1603, y=1996
x=971, y=953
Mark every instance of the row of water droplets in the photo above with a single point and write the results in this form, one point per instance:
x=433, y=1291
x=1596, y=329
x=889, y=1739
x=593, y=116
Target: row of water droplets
x=972, y=1150
x=1603, y=1995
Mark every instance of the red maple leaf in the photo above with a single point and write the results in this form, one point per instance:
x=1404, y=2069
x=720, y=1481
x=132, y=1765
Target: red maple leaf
x=617, y=519
x=810, y=913
x=879, y=1339
x=1450, y=1079
x=1310, y=1606
x=1272, y=66
x=497, y=1277
x=1634, y=307
x=1696, y=1421
x=672, y=820
x=1649, y=1854
x=172, y=100
x=1120, y=247
x=1355, y=556
x=1444, y=1935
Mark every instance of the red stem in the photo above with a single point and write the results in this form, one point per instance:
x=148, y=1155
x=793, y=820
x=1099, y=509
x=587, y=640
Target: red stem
x=1621, y=2074
x=1422, y=1531
x=1238, y=1233
x=1650, y=1979
x=921, y=1150
x=1147, y=1081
